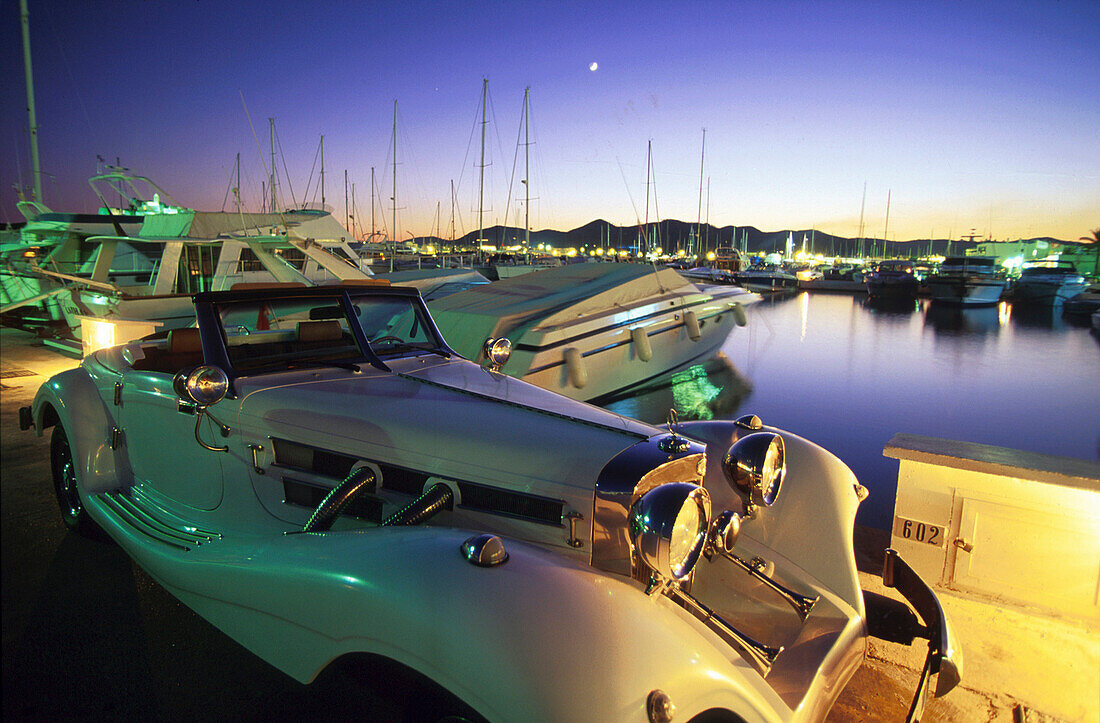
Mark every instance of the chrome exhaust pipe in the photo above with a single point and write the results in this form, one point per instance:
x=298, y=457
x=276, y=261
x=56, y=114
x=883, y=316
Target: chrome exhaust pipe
x=801, y=603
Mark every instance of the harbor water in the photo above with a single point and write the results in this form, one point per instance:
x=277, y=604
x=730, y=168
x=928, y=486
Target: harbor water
x=848, y=374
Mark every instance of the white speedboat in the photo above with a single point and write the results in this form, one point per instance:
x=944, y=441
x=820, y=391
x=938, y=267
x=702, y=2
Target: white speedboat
x=589, y=330
x=836, y=278
x=767, y=278
x=1048, y=283
x=968, y=281
x=707, y=275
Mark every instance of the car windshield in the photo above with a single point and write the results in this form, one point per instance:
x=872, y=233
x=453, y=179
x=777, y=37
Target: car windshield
x=293, y=332
x=288, y=333
x=394, y=325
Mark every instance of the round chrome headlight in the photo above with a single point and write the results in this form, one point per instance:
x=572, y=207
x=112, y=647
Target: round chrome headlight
x=203, y=385
x=498, y=351
x=668, y=526
x=756, y=464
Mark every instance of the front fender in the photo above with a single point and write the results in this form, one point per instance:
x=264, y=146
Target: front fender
x=87, y=421
x=537, y=638
x=813, y=519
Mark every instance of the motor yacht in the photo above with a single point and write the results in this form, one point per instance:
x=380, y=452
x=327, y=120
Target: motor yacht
x=968, y=281
x=767, y=278
x=893, y=279
x=1048, y=283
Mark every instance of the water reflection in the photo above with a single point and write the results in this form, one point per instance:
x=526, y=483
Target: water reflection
x=1039, y=317
x=849, y=375
x=891, y=308
x=951, y=320
x=710, y=390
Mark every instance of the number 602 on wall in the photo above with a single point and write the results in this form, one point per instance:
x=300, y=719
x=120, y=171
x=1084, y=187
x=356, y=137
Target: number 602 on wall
x=919, y=531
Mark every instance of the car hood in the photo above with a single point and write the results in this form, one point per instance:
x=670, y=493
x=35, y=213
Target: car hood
x=446, y=418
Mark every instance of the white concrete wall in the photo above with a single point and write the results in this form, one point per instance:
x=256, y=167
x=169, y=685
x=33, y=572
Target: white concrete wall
x=1000, y=524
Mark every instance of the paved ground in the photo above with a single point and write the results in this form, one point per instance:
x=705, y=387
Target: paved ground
x=88, y=635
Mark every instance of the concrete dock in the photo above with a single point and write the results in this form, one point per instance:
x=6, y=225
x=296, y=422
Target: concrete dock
x=87, y=634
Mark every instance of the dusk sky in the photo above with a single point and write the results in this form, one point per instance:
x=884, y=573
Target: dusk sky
x=969, y=114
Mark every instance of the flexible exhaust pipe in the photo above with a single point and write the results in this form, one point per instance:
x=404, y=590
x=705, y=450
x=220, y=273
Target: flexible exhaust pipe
x=423, y=508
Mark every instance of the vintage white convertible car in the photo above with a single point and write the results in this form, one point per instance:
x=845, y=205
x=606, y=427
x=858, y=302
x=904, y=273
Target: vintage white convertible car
x=319, y=475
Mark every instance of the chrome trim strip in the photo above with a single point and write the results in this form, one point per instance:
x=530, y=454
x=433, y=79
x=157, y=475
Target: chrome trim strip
x=546, y=412
x=137, y=510
x=633, y=322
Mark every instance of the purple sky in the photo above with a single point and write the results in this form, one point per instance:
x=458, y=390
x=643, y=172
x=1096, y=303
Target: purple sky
x=971, y=115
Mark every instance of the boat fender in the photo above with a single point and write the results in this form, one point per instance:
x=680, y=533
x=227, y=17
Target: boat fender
x=642, y=349
x=574, y=364
x=691, y=322
x=739, y=314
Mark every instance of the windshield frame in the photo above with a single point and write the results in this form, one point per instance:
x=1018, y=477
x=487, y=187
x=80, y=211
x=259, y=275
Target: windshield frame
x=208, y=306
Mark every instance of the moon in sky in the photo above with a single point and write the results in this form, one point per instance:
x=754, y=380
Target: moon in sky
x=593, y=65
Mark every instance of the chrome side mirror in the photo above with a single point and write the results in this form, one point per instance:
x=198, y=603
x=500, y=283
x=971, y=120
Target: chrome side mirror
x=203, y=385
x=497, y=352
x=197, y=389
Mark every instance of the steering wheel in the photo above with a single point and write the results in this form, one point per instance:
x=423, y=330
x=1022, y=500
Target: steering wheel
x=388, y=337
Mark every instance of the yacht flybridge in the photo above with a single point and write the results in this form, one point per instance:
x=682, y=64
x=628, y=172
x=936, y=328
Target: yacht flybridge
x=151, y=276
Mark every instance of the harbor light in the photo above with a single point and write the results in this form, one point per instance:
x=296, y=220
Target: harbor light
x=711, y=256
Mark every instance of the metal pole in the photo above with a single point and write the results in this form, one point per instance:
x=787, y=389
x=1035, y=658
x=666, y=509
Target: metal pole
x=393, y=231
x=699, y=217
x=36, y=169
x=527, y=169
x=481, y=174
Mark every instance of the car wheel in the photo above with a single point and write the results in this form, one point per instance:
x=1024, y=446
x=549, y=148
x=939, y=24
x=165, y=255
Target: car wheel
x=63, y=465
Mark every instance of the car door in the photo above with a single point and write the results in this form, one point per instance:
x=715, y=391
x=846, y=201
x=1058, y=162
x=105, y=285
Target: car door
x=159, y=434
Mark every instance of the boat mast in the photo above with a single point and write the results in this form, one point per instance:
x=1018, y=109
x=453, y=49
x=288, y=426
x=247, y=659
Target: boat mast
x=887, y=228
x=393, y=232
x=36, y=169
x=481, y=173
x=699, y=218
x=648, y=166
x=706, y=241
x=372, y=227
x=271, y=122
x=862, y=205
x=452, y=214
x=527, y=169
x=347, y=209
x=322, y=172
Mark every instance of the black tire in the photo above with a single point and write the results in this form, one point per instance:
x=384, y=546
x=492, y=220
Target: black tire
x=65, y=488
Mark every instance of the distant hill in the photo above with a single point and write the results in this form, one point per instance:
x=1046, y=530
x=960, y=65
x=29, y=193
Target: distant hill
x=675, y=234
